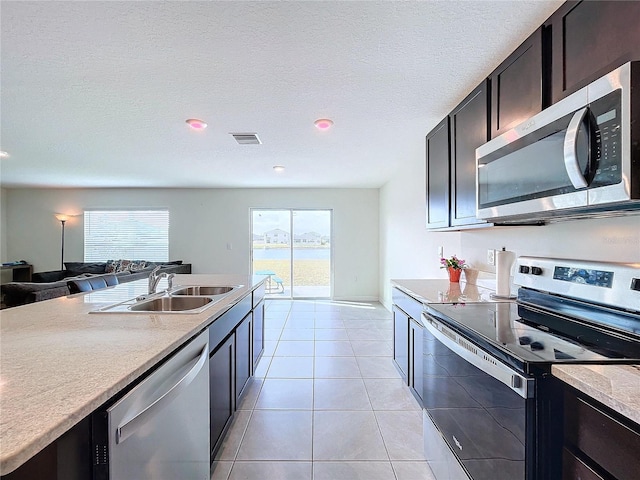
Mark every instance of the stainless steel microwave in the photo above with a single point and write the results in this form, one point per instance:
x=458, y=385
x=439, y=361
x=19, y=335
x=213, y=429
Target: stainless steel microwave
x=579, y=157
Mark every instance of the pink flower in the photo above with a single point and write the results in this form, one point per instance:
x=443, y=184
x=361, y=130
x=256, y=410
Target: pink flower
x=453, y=262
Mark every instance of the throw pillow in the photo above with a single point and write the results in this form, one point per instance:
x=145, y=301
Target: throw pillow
x=112, y=266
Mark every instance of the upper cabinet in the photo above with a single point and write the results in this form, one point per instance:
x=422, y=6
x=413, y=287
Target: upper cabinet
x=451, y=162
x=517, y=86
x=589, y=39
x=469, y=124
x=579, y=43
x=437, y=150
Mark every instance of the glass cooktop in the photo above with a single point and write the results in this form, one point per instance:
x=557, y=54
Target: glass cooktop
x=500, y=325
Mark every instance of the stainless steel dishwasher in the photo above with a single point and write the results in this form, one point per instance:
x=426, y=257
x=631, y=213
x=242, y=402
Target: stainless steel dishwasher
x=160, y=429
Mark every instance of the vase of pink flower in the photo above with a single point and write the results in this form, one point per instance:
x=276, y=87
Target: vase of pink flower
x=454, y=266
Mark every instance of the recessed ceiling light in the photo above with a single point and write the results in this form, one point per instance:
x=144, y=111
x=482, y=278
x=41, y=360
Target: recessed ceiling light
x=196, y=124
x=4, y=154
x=323, y=123
x=278, y=168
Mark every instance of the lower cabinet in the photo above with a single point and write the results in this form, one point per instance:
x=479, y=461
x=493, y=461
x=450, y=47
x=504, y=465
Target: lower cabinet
x=233, y=339
x=401, y=341
x=258, y=332
x=408, y=335
x=221, y=389
x=415, y=379
x=244, y=359
x=598, y=443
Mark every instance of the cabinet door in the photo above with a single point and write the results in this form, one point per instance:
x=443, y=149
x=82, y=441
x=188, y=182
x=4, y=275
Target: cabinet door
x=589, y=39
x=401, y=341
x=437, y=151
x=516, y=86
x=221, y=391
x=469, y=130
x=604, y=439
x=244, y=359
x=258, y=332
x=415, y=357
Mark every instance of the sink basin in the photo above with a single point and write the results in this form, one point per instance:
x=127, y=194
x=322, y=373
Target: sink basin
x=171, y=304
x=203, y=290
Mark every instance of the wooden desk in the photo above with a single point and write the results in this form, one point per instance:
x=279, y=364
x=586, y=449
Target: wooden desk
x=21, y=273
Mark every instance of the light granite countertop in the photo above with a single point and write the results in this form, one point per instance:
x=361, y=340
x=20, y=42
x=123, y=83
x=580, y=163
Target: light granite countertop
x=616, y=386
x=58, y=362
x=442, y=291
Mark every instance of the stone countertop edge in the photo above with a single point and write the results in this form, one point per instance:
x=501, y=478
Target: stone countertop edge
x=442, y=291
x=58, y=363
x=616, y=386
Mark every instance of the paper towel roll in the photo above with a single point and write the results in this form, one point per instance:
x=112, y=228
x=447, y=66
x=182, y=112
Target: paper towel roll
x=504, y=260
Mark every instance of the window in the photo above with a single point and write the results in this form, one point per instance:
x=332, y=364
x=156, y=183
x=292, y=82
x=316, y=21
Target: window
x=126, y=234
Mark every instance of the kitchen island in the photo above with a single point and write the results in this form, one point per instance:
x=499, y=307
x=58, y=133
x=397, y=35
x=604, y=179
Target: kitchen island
x=59, y=363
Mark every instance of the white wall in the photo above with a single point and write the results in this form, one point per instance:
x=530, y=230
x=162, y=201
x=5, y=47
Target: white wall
x=203, y=221
x=408, y=250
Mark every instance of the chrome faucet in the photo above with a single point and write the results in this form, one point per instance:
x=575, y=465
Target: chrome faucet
x=154, y=278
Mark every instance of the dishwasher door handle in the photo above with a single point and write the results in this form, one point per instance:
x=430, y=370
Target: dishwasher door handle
x=124, y=431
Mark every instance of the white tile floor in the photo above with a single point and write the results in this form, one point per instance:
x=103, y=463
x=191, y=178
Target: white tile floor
x=326, y=402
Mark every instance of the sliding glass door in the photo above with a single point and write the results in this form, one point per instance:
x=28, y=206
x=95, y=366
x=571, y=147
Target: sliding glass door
x=293, y=247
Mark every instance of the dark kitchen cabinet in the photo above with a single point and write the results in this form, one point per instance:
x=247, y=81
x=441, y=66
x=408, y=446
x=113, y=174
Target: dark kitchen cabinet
x=414, y=378
x=221, y=389
x=232, y=343
x=408, y=333
x=401, y=341
x=437, y=182
x=589, y=39
x=258, y=324
x=598, y=442
x=258, y=332
x=244, y=358
x=469, y=124
x=517, y=86
x=451, y=162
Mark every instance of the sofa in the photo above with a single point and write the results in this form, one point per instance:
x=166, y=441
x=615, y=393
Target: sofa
x=59, y=283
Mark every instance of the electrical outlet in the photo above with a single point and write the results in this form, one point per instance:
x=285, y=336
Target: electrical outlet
x=440, y=252
x=491, y=257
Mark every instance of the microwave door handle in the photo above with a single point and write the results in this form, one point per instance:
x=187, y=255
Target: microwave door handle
x=571, y=164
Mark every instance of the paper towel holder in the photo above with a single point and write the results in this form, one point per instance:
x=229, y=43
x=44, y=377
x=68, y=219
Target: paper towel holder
x=498, y=294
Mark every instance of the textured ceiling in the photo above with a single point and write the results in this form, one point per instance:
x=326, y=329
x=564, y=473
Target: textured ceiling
x=96, y=93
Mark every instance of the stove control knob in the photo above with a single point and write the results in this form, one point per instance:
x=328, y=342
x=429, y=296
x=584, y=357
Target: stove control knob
x=516, y=381
x=537, y=346
x=536, y=271
x=635, y=284
x=524, y=269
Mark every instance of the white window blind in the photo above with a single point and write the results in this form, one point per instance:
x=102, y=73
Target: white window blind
x=126, y=234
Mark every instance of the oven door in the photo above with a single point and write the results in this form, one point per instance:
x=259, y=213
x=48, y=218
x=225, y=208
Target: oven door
x=475, y=421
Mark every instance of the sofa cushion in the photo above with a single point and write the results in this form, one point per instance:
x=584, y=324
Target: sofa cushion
x=75, y=268
x=19, y=293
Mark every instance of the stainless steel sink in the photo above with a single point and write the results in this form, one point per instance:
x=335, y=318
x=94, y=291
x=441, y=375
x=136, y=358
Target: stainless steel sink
x=182, y=299
x=171, y=304
x=202, y=290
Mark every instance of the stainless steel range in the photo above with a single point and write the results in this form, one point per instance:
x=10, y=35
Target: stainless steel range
x=490, y=403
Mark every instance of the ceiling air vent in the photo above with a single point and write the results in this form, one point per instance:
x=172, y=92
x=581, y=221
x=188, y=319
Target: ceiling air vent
x=246, y=138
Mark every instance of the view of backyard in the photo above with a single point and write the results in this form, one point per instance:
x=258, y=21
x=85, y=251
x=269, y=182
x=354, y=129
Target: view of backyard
x=273, y=251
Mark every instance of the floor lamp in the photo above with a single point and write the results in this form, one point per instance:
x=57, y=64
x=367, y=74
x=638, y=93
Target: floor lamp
x=63, y=219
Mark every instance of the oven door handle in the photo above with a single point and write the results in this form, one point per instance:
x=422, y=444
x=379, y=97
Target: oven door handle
x=477, y=357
